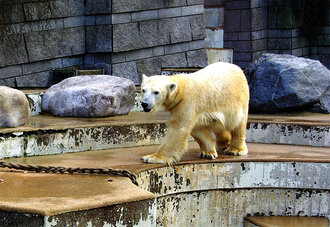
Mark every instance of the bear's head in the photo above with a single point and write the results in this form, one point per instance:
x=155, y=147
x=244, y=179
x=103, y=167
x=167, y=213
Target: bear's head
x=156, y=90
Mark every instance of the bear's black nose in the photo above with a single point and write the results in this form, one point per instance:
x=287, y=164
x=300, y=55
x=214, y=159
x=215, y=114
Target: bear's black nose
x=144, y=105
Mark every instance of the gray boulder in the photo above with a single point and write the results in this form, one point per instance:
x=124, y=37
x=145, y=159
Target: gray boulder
x=14, y=107
x=90, y=96
x=285, y=82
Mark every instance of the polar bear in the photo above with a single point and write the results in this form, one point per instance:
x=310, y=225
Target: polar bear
x=211, y=105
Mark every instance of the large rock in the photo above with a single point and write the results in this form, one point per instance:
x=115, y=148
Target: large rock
x=90, y=96
x=285, y=82
x=14, y=107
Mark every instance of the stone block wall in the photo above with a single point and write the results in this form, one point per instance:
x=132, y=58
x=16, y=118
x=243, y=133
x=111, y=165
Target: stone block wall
x=237, y=30
x=42, y=36
x=148, y=37
x=125, y=38
x=253, y=27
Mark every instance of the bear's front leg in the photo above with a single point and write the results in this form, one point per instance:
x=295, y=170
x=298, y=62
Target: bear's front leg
x=174, y=145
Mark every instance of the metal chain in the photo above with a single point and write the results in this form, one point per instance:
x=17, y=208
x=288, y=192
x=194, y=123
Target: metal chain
x=62, y=170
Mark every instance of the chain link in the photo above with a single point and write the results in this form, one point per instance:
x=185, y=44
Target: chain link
x=62, y=170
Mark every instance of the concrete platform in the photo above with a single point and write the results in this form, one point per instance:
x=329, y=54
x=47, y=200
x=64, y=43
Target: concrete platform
x=295, y=175
x=46, y=134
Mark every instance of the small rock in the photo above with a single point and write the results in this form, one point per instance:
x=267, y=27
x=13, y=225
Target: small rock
x=14, y=107
x=285, y=83
x=90, y=96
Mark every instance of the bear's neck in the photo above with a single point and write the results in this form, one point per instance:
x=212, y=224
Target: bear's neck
x=176, y=98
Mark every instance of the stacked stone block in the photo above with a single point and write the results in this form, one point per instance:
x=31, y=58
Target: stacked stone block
x=253, y=27
x=214, y=21
x=98, y=34
x=125, y=38
x=151, y=35
x=43, y=35
x=259, y=27
x=237, y=31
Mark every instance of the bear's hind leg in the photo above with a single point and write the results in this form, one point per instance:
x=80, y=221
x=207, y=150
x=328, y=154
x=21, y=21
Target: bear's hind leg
x=206, y=143
x=238, y=145
x=223, y=139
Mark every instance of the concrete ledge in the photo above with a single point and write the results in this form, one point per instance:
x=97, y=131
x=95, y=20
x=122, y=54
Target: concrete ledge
x=271, y=180
x=45, y=134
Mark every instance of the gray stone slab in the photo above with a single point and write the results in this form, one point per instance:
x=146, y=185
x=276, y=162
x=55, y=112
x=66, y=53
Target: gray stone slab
x=216, y=55
x=214, y=38
x=118, y=57
x=179, y=29
x=37, y=11
x=170, y=12
x=214, y=17
x=127, y=70
x=71, y=22
x=15, y=46
x=73, y=61
x=195, y=2
x=245, y=21
x=244, y=36
x=67, y=8
x=197, y=58
x=242, y=56
x=10, y=71
x=158, y=51
x=232, y=21
x=176, y=48
x=89, y=20
x=242, y=46
x=198, y=44
x=103, y=58
x=174, y=60
x=103, y=19
x=55, y=43
x=174, y=3
x=121, y=18
x=192, y=10
x=41, y=66
x=214, y=2
x=152, y=35
x=35, y=80
x=197, y=25
x=242, y=4
x=150, y=66
x=126, y=37
x=10, y=82
x=99, y=38
x=120, y=6
x=145, y=15
x=97, y=7
x=42, y=25
x=138, y=54
x=230, y=36
x=152, y=4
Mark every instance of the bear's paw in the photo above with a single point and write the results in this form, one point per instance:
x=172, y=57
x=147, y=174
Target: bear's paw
x=209, y=154
x=158, y=159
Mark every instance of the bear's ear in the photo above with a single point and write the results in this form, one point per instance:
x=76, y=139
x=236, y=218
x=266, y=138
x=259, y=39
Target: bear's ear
x=144, y=77
x=171, y=88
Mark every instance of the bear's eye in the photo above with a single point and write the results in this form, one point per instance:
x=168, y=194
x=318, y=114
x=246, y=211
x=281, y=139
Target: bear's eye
x=156, y=92
x=143, y=91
